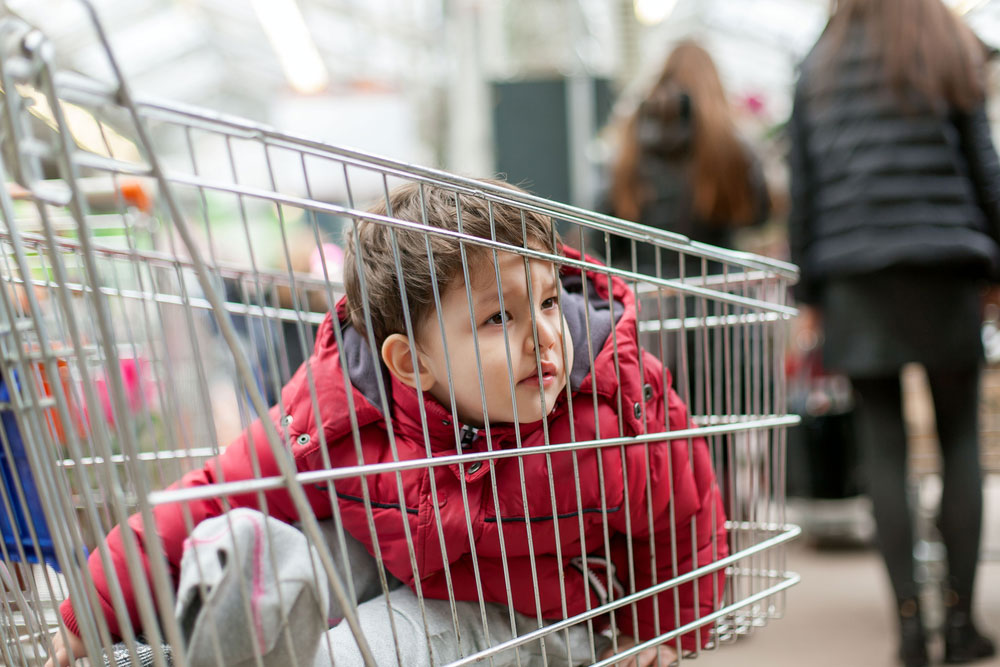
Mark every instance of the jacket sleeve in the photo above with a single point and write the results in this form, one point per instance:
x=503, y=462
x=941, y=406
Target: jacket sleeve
x=976, y=145
x=677, y=525
x=801, y=194
x=172, y=521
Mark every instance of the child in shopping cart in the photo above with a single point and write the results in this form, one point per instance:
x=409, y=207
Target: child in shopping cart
x=497, y=352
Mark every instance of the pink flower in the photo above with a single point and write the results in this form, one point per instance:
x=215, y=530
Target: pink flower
x=137, y=382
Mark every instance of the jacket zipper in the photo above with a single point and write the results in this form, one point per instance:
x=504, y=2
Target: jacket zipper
x=468, y=435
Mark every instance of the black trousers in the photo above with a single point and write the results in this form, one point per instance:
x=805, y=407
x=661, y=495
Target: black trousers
x=883, y=443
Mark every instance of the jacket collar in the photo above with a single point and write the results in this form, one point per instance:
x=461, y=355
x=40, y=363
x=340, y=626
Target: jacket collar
x=444, y=431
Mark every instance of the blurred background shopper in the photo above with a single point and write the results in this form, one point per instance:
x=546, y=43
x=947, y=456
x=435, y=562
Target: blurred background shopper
x=895, y=190
x=682, y=165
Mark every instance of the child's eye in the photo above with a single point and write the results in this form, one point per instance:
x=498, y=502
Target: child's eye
x=550, y=302
x=497, y=319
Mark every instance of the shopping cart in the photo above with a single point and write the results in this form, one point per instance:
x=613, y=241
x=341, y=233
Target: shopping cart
x=151, y=305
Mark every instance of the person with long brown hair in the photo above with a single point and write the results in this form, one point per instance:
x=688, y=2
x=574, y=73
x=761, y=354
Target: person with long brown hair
x=895, y=225
x=682, y=165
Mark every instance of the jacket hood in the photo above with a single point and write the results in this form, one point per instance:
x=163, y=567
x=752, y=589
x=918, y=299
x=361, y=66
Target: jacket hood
x=598, y=312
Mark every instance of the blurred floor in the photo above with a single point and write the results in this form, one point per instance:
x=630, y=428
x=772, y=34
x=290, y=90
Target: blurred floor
x=839, y=615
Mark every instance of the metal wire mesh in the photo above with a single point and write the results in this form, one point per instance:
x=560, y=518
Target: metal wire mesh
x=156, y=301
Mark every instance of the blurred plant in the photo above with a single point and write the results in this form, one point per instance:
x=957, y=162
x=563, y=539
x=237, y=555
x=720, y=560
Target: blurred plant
x=136, y=378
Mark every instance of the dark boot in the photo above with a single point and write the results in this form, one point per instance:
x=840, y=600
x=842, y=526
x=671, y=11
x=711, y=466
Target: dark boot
x=912, y=640
x=962, y=641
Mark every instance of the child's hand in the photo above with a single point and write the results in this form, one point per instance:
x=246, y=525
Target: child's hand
x=61, y=649
x=646, y=658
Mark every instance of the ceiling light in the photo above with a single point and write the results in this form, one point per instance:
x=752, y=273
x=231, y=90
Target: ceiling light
x=651, y=12
x=293, y=45
x=87, y=131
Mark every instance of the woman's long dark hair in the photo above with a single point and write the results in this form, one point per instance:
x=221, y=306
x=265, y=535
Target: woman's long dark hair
x=722, y=194
x=923, y=46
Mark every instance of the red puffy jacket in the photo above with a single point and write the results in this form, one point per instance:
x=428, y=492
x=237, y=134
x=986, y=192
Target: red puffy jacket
x=643, y=502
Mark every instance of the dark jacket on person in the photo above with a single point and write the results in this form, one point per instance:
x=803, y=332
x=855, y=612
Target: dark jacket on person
x=664, y=168
x=879, y=182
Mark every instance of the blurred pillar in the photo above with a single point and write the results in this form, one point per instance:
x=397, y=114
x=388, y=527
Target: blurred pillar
x=468, y=138
x=581, y=123
x=629, y=41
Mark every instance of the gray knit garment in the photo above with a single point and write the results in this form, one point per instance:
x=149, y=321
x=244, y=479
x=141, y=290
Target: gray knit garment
x=249, y=588
x=120, y=656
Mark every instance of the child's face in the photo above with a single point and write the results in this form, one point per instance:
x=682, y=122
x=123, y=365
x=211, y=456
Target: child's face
x=488, y=321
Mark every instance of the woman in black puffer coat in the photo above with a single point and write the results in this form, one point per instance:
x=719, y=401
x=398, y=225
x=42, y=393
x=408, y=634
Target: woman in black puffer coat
x=895, y=225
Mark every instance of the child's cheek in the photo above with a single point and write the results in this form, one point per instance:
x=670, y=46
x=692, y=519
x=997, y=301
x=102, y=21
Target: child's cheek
x=568, y=346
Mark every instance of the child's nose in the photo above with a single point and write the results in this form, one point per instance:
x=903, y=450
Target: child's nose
x=548, y=332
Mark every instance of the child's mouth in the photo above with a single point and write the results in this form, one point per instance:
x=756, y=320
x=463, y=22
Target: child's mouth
x=546, y=379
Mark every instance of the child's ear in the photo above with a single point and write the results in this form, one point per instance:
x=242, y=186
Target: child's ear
x=398, y=359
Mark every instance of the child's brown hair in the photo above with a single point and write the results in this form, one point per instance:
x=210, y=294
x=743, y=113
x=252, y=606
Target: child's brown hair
x=369, y=247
